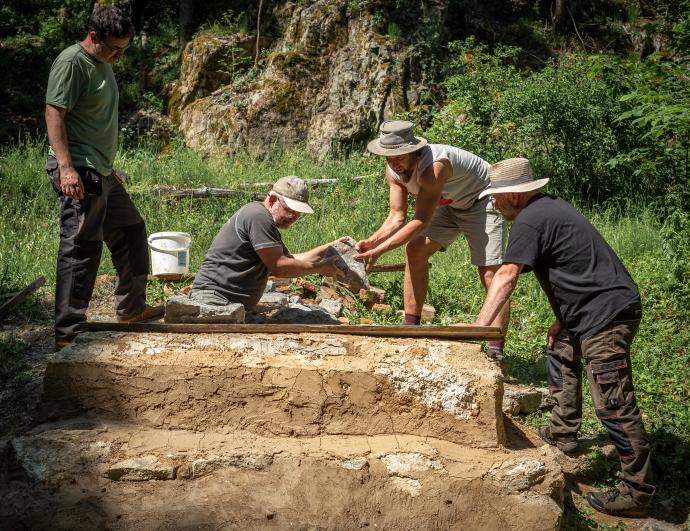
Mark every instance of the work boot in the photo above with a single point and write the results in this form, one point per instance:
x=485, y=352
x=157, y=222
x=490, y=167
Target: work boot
x=149, y=313
x=567, y=445
x=618, y=503
x=61, y=343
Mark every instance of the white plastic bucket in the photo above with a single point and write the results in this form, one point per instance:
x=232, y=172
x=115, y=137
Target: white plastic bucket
x=169, y=253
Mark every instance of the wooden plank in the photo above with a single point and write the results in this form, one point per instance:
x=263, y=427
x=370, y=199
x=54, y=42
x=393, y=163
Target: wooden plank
x=428, y=332
x=23, y=294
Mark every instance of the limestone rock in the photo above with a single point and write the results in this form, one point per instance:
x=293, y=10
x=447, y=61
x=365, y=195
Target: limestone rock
x=518, y=475
x=354, y=274
x=329, y=81
x=272, y=300
x=296, y=312
x=182, y=309
x=523, y=400
x=207, y=465
x=141, y=468
x=335, y=308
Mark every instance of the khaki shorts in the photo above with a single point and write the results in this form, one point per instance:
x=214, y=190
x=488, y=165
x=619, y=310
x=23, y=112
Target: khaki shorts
x=481, y=224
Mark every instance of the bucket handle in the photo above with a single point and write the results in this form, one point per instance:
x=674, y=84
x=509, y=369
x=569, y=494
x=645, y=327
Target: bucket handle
x=168, y=251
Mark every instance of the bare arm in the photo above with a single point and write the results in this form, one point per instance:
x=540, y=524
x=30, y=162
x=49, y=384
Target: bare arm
x=431, y=186
x=288, y=267
x=396, y=216
x=502, y=286
x=317, y=252
x=70, y=182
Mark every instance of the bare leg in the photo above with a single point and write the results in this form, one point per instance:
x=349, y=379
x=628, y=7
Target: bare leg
x=418, y=252
x=486, y=275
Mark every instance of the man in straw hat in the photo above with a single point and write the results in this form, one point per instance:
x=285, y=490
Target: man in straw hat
x=598, y=311
x=446, y=182
x=249, y=247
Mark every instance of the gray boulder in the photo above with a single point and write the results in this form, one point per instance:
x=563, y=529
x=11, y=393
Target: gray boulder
x=303, y=314
x=354, y=274
x=182, y=309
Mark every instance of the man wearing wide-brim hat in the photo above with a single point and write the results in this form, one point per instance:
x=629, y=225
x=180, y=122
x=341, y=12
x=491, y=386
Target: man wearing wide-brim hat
x=598, y=311
x=446, y=182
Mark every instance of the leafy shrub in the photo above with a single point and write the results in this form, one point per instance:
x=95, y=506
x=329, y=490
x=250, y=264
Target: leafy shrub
x=604, y=129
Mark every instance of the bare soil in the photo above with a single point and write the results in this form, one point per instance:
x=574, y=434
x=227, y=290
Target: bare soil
x=158, y=500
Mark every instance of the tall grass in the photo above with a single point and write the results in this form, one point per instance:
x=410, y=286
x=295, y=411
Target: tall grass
x=29, y=239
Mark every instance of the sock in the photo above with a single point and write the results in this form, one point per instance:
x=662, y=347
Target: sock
x=497, y=344
x=412, y=319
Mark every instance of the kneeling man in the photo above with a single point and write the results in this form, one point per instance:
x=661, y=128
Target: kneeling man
x=249, y=247
x=598, y=311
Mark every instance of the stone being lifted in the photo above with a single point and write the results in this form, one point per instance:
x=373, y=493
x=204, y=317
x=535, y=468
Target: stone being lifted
x=353, y=271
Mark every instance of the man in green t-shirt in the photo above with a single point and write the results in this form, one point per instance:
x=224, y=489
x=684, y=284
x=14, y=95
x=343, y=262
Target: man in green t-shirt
x=81, y=118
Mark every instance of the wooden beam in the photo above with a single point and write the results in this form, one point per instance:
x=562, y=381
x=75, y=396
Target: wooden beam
x=427, y=332
x=23, y=294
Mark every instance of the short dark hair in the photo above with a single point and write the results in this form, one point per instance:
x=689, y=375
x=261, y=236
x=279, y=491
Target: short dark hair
x=110, y=21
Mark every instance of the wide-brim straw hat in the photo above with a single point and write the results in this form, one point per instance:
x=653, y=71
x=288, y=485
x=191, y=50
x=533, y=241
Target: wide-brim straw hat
x=512, y=176
x=396, y=138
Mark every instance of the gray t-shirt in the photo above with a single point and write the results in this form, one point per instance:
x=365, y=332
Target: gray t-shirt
x=469, y=178
x=232, y=266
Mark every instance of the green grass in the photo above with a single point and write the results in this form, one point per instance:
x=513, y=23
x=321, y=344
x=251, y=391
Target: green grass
x=29, y=238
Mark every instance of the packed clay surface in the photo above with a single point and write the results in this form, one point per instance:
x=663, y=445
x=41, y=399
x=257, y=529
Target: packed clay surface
x=297, y=431
x=293, y=385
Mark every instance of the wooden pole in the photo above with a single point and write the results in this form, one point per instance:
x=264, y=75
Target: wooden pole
x=420, y=332
x=23, y=294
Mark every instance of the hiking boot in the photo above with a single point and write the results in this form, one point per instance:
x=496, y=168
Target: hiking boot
x=567, y=445
x=149, y=313
x=617, y=503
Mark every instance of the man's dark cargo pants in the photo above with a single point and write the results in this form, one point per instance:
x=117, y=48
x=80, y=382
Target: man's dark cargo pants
x=607, y=358
x=108, y=215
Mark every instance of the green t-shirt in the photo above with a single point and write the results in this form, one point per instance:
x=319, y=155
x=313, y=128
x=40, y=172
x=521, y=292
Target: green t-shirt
x=87, y=90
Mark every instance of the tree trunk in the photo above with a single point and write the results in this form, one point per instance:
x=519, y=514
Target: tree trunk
x=186, y=18
x=558, y=13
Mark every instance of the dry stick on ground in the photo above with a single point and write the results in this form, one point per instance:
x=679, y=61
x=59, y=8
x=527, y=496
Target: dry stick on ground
x=205, y=191
x=23, y=294
x=310, y=182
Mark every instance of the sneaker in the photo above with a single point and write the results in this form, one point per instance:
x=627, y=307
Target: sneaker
x=617, y=503
x=567, y=445
x=494, y=353
x=149, y=313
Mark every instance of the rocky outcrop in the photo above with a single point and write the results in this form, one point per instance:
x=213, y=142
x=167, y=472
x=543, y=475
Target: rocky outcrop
x=330, y=79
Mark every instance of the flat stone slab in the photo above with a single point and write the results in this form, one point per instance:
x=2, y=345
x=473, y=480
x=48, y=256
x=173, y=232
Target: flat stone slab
x=400, y=482
x=182, y=309
x=272, y=300
x=298, y=313
x=292, y=385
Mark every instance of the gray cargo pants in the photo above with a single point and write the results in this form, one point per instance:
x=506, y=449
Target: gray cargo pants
x=607, y=359
x=105, y=214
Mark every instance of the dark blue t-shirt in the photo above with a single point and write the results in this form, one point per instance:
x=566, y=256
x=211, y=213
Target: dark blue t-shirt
x=584, y=280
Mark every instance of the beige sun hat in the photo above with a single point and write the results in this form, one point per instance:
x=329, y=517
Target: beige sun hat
x=396, y=138
x=294, y=192
x=512, y=175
